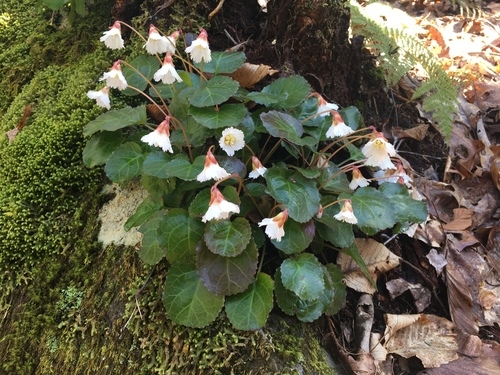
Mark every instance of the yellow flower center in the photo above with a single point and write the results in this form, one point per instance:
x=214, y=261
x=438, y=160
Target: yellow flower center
x=379, y=144
x=229, y=140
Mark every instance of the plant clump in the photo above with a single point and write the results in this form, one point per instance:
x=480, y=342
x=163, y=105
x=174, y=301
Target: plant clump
x=251, y=193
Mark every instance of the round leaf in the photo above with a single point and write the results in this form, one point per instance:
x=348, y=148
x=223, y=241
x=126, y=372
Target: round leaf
x=228, y=238
x=225, y=116
x=281, y=125
x=297, y=193
x=180, y=234
x=116, y=119
x=372, y=209
x=125, y=162
x=155, y=164
x=295, y=89
x=224, y=62
x=297, y=237
x=216, y=91
x=224, y=275
x=151, y=251
x=249, y=310
x=303, y=275
x=187, y=301
x=100, y=147
x=147, y=65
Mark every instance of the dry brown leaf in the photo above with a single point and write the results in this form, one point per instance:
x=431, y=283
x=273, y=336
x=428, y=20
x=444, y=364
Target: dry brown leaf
x=249, y=74
x=463, y=278
x=436, y=35
x=418, y=132
x=437, y=260
x=495, y=172
x=421, y=294
x=430, y=338
x=462, y=220
x=378, y=259
x=487, y=363
x=487, y=95
x=431, y=233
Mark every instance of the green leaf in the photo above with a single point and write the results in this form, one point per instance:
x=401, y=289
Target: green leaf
x=249, y=310
x=291, y=304
x=333, y=279
x=181, y=167
x=297, y=237
x=125, y=162
x=79, y=6
x=224, y=62
x=281, y=125
x=228, y=238
x=199, y=205
x=147, y=65
x=303, y=275
x=151, y=251
x=155, y=164
x=158, y=187
x=297, y=193
x=227, y=275
x=225, y=116
x=100, y=147
x=144, y=211
x=55, y=4
x=351, y=116
x=405, y=208
x=265, y=98
x=116, y=119
x=187, y=301
x=372, y=209
x=337, y=232
x=333, y=179
x=295, y=88
x=180, y=233
x=216, y=91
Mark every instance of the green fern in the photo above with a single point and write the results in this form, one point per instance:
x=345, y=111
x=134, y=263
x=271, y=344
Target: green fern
x=399, y=52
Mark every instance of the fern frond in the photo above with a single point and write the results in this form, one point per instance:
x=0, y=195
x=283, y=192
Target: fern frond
x=398, y=53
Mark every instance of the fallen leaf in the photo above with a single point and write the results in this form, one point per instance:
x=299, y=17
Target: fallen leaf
x=462, y=220
x=437, y=260
x=428, y=337
x=249, y=74
x=421, y=294
x=378, y=259
x=418, y=132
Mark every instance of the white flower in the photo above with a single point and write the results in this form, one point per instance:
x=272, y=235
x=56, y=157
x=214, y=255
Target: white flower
x=219, y=208
x=101, y=97
x=324, y=107
x=160, y=137
x=199, y=50
x=113, y=37
x=346, y=214
x=338, y=127
x=394, y=176
x=156, y=43
x=172, y=41
x=232, y=140
x=114, y=78
x=257, y=168
x=212, y=169
x=167, y=73
x=357, y=179
x=378, y=151
x=274, y=225
x=319, y=214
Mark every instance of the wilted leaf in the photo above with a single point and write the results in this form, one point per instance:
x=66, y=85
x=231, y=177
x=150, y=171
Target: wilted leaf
x=421, y=295
x=378, y=259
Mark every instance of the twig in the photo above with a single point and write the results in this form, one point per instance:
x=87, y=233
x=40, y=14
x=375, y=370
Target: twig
x=216, y=10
